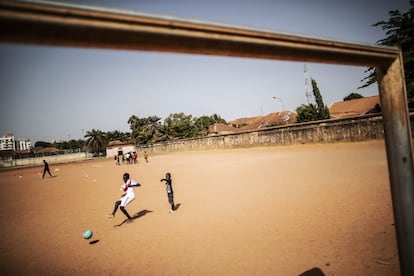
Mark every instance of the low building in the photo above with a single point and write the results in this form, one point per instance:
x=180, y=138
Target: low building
x=285, y=117
x=356, y=107
x=116, y=148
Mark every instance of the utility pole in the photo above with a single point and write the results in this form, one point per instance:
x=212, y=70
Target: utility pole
x=281, y=101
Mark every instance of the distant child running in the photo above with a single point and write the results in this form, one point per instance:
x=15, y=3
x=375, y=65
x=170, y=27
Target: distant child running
x=46, y=169
x=170, y=193
x=128, y=195
x=146, y=156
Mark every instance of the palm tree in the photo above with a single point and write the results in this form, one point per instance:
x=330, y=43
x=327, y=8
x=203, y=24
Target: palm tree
x=117, y=135
x=96, y=140
x=144, y=130
x=135, y=124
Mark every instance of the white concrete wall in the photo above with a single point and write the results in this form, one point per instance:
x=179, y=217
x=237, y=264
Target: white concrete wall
x=38, y=161
x=113, y=150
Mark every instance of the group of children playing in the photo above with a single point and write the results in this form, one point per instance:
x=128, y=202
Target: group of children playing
x=129, y=158
x=128, y=189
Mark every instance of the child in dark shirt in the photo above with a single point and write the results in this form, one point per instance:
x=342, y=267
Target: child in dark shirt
x=170, y=193
x=46, y=169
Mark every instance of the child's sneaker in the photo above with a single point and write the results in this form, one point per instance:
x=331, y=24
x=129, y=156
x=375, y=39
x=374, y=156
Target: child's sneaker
x=172, y=211
x=129, y=221
x=109, y=216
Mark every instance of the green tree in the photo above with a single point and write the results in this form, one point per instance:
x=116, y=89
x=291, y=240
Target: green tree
x=43, y=144
x=135, y=124
x=117, y=135
x=96, y=140
x=352, y=96
x=311, y=112
x=217, y=119
x=77, y=144
x=306, y=113
x=321, y=109
x=181, y=125
x=71, y=144
x=145, y=130
x=177, y=125
x=204, y=122
x=399, y=29
x=165, y=132
x=151, y=130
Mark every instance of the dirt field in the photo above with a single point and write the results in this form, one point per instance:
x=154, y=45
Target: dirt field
x=258, y=211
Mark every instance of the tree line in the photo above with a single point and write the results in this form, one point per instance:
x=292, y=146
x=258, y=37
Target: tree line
x=149, y=130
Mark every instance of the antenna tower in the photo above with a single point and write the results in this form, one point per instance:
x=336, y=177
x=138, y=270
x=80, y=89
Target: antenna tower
x=308, y=88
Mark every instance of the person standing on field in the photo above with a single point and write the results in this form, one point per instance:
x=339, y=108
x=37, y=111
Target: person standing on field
x=170, y=193
x=46, y=169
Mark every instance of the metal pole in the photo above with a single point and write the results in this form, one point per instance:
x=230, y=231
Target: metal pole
x=398, y=141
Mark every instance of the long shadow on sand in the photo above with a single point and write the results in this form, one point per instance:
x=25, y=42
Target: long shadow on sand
x=137, y=215
x=177, y=206
x=141, y=213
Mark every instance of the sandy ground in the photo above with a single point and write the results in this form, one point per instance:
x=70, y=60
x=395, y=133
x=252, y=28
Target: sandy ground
x=262, y=211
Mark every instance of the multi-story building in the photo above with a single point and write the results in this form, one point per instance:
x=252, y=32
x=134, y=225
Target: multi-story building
x=23, y=144
x=7, y=142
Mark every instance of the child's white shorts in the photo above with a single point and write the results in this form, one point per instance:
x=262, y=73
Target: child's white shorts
x=127, y=199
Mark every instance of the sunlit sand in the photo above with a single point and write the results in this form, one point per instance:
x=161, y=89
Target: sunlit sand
x=266, y=211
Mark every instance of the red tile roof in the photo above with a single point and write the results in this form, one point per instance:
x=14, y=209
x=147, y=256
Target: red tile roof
x=252, y=123
x=355, y=107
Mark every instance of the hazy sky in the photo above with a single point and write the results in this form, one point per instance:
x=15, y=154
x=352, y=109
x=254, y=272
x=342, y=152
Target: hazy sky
x=59, y=93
